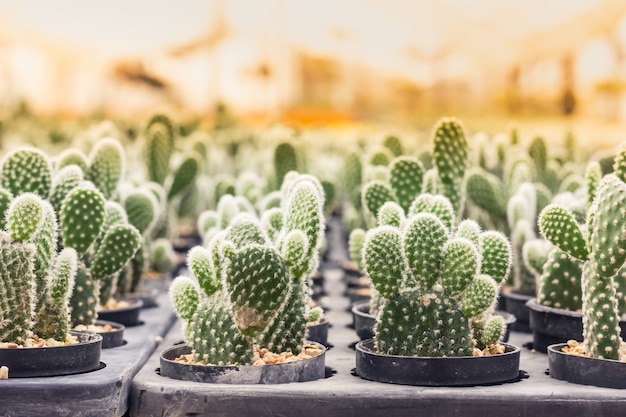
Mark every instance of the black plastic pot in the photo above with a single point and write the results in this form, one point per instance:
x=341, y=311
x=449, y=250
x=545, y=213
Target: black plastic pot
x=54, y=360
x=364, y=322
x=436, y=372
x=148, y=296
x=585, y=370
x=515, y=303
x=128, y=316
x=113, y=338
x=318, y=332
x=556, y=325
x=298, y=371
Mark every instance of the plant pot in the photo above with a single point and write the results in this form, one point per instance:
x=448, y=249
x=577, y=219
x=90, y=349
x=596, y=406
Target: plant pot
x=54, y=360
x=585, y=370
x=364, y=322
x=128, y=316
x=113, y=338
x=298, y=371
x=515, y=303
x=147, y=295
x=556, y=325
x=436, y=372
x=318, y=332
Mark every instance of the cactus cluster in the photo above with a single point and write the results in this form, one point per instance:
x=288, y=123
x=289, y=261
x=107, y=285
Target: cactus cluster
x=36, y=281
x=438, y=282
x=248, y=288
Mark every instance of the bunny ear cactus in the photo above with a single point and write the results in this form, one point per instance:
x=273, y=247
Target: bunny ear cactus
x=106, y=166
x=26, y=170
x=593, y=174
x=561, y=281
x=603, y=253
x=450, y=156
x=355, y=245
x=434, y=285
x=142, y=209
x=158, y=148
x=375, y=194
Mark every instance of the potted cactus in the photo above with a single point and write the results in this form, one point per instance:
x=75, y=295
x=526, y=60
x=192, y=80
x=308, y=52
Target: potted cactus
x=556, y=313
x=36, y=282
x=599, y=359
x=438, y=282
x=248, y=289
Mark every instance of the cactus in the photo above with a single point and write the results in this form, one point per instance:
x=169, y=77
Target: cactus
x=355, y=245
x=603, y=251
x=285, y=160
x=184, y=175
x=405, y=178
x=353, y=177
x=222, y=306
x=35, y=291
x=593, y=174
x=142, y=209
x=560, y=281
x=82, y=215
x=450, y=155
x=159, y=146
x=435, y=285
x=394, y=145
x=72, y=157
x=26, y=170
x=106, y=166
x=486, y=191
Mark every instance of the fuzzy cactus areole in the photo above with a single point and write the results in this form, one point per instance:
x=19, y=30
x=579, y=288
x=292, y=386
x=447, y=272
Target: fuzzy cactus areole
x=437, y=285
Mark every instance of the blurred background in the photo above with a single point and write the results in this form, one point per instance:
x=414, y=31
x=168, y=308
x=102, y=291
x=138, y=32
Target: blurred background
x=325, y=61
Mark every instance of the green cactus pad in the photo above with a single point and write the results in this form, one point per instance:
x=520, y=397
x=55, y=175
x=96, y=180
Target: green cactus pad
x=257, y=281
x=460, y=262
x=391, y=214
x=118, y=247
x=593, y=174
x=561, y=281
x=72, y=156
x=24, y=217
x=353, y=178
x=287, y=331
x=17, y=289
x=375, y=194
x=496, y=255
x=84, y=301
x=82, y=215
x=26, y=170
x=424, y=239
x=607, y=227
x=560, y=228
x=106, y=166
x=65, y=181
x=184, y=175
x=158, y=149
x=356, y=241
x=492, y=331
x=405, y=177
x=200, y=264
x=469, y=229
x=383, y=261
x=141, y=208
x=479, y=296
x=285, y=160
x=245, y=230
x=485, y=190
x=185, y=297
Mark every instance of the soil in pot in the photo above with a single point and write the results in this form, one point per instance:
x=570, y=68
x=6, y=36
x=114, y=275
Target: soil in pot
x=63, y=359
x=577, y=368
x=112, y=333
x=429, y=371
x=307, y=369
x=123, y=310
